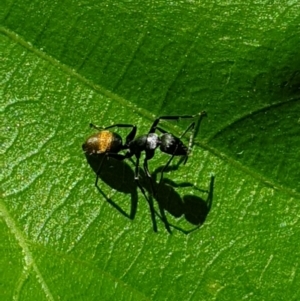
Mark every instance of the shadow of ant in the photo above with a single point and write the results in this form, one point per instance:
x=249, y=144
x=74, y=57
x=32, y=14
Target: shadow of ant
x=119, y=176
x=194, y=208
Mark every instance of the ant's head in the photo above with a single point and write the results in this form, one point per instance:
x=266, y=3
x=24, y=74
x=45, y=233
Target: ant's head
x=172, y=145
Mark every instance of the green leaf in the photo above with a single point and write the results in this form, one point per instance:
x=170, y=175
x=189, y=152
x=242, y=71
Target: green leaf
x=66, y=64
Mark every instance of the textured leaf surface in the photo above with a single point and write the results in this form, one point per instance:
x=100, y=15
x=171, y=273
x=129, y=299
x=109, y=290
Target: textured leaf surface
x=66, y=64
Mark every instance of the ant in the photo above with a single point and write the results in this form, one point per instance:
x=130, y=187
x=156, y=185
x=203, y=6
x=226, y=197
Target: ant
x=110, y=144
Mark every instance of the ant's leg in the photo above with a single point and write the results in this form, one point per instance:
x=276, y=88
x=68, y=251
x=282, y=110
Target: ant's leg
x=119, y=157
x=164, y=168
x=98, y=170
x=190, y=127
x=210, y=194
x=120, y=125
x=149, y=201
x=130, y=136
x=163, y=217
x=156, y=122
x=146, y=169
x=151, y=206
x=111, y=155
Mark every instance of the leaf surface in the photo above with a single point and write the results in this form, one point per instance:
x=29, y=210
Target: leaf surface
x=66, y=64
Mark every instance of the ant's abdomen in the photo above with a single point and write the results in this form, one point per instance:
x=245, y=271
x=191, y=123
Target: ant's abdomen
x=103, y=142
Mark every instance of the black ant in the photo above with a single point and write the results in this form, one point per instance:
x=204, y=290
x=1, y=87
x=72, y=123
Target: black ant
x=110, y=144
